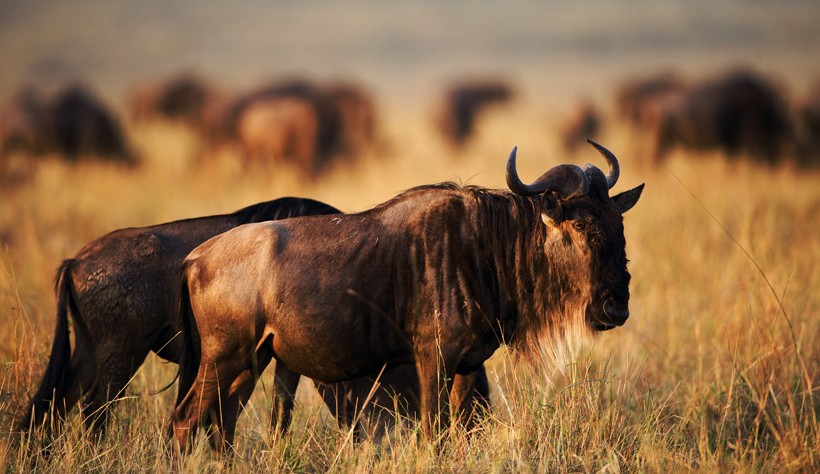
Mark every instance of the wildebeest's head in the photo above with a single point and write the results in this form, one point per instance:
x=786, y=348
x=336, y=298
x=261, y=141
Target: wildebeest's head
x=584, y=239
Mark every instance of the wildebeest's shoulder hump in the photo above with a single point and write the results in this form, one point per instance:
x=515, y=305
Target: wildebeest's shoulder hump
x=421, y=202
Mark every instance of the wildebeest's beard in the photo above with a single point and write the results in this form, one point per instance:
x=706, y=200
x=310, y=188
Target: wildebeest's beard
x=546, y=274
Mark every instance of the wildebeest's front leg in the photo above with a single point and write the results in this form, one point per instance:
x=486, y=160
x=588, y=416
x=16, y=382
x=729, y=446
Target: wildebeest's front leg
x=461, y=398
x=434, y=387
x=285, y=384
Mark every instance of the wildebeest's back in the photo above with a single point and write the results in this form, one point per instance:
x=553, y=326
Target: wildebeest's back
x=114, y=292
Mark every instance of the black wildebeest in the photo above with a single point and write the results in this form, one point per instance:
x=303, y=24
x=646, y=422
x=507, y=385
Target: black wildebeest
x=78, y=124
x=21, y=123
x=22, y=120
x=584, y=121
x=740, y=112
x=808, y=127
x=440, y=277
x=304, y=109
x=464, y=103
x=121, y=292
x=185, y=98
x=301, y=123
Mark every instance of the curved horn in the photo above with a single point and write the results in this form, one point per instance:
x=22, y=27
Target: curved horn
x=567, y=180
x=614, y=167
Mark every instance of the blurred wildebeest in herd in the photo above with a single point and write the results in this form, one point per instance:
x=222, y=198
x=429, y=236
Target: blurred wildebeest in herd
x=584, y=122
x=438, y=277
x=302, y=123
x=22, y=120
x=78, y=124
x=73, y=124
x=637, y=100
x=121, y=292
x=463, y=105
x=741, y=112
x=185, y=98
x=808, y=127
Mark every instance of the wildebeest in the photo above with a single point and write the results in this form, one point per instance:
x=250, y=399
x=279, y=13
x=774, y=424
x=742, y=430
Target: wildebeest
x=301, y=123
x=357, y=118
x=463, y=105
x=78, y=124
x=317, y=112
x=741, y=112
x=280, y=130
x=22, y=120
x=808, y=124
x=583, y=122
x=438, y=277
x=185, y=99
x=121, y=292
x=21, y=123
x=636, y=100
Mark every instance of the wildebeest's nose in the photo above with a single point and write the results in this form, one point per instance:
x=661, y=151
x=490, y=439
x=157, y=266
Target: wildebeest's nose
x=617, y=311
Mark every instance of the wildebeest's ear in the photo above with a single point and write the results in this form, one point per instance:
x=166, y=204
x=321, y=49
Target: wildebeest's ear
x=627, y=199
x=552, y=212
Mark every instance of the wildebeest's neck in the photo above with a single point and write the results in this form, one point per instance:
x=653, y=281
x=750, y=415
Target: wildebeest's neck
x=529, y=287
x=539, y=285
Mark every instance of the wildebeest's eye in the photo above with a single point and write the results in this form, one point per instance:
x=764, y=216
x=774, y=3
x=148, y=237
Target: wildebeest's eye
x=579, y=225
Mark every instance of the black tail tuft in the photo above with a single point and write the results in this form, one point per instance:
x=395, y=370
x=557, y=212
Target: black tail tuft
x=189, y=359
x=58, y=372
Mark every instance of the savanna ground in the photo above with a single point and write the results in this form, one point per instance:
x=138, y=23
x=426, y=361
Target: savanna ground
x=717, y=369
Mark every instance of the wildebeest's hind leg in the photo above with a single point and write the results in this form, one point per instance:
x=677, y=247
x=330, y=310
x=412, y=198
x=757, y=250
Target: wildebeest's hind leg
x=115, y=370
x=212, y=379
x=223, y=425
x=81, y=377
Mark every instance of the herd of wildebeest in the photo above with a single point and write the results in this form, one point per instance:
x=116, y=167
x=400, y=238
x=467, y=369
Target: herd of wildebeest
x=308, y=125
x=393, y=311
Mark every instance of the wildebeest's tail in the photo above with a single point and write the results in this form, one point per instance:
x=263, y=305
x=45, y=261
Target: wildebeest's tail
x=54, y=384
x=189, y=358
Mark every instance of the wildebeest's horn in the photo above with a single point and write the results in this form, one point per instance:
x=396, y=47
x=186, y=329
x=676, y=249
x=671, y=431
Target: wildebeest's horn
x=614, y=167
x=567, y=180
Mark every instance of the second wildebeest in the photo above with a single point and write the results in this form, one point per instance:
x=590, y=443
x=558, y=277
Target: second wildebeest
x=121, y=293
x=438, y=277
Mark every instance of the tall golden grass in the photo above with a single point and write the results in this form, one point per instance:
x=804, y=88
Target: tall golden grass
x=716, y=370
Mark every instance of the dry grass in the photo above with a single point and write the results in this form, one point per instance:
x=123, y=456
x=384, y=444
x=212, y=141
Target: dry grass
x=717, y=369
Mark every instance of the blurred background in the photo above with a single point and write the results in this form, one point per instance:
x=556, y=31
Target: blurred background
x=403, y=50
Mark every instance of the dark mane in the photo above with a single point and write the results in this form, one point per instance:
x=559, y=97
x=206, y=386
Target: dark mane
x=282, y=208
